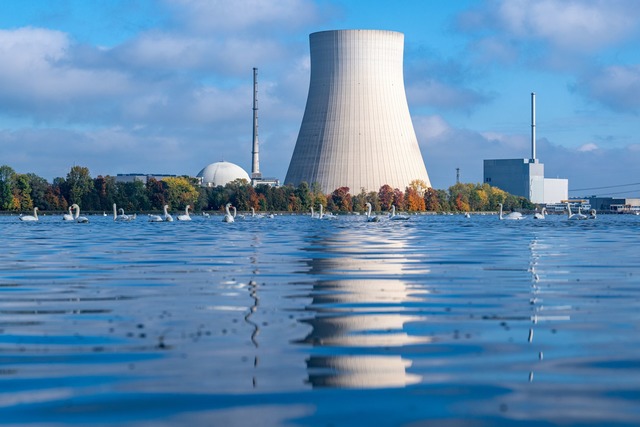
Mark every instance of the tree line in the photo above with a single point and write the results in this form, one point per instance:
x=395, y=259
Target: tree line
x=22, y=192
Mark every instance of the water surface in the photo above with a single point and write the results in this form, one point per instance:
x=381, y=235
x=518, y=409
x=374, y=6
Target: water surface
x=439, y=320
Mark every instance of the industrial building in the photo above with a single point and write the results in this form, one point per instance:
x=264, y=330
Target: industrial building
x=356, y=130
x=143, y=178
x=525, y=177
x=221, y=173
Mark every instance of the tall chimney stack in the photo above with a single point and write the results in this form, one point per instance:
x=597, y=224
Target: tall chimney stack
x=533, y=126
x=255, y=163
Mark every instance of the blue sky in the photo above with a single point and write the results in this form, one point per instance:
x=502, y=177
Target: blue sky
x=165, y=86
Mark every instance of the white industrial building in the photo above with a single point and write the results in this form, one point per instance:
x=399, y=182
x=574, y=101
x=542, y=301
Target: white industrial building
x=221, y=173
x=525, y=177
x=357, y=131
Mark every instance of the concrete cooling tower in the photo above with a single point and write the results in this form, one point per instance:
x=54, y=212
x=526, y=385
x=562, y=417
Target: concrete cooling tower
x=356, y=131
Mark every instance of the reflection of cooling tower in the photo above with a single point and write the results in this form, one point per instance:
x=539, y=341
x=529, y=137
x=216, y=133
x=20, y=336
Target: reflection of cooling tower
x=356, y=131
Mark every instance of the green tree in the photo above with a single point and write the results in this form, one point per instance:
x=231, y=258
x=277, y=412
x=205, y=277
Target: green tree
x=22, y=193
x=180, y=192
x=79, y=185
x=7, y=175
x=39, y=188
x=305, y=196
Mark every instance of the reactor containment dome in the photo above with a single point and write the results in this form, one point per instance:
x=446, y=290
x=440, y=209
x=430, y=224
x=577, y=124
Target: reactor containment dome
x=356, y=130
x=222, y=173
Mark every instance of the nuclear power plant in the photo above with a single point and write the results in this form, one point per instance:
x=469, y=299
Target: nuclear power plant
x=356, y=130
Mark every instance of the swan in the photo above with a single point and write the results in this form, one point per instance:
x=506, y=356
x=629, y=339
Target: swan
x=323, y=215
x=29, y=217
x=578, y=216
x=68, y=216
x=155, y=218
x=313, y=215
x=122, y=216
x=370, y=218
x=205, y=214
x=228, y=217
x=467, y=215
x=510, y=216
x=253, y=214
x=166, y=216
x=235, y=213
x=541, y=214
x=592, y=214
x=395, y=217
x=186, y=216
x=77, y=217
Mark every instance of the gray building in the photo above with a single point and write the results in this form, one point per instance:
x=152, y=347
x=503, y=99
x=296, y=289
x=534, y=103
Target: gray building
x=525, y=177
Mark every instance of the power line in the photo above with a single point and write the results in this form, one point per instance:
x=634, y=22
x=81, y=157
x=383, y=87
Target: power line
x=610, y=186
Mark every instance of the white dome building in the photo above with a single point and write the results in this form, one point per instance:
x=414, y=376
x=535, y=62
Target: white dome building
x=221, y=173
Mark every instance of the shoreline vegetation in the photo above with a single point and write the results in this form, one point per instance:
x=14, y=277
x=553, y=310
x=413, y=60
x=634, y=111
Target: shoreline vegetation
x=20, y=193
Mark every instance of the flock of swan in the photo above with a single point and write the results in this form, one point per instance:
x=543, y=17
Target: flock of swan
x=542, y=214
x=119, y=215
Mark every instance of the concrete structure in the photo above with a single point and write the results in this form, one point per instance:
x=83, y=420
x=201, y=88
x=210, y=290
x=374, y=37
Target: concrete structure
x=525, y=177
x=144, y=178
x=356, y=131
x=221, y=173
x=615, y=205
x=256, y=176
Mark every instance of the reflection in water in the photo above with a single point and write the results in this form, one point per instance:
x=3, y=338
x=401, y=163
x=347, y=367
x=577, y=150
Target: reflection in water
x=354, y=318
x=535, y=253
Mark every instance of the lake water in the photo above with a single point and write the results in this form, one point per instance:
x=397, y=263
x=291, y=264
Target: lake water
x=291, y=321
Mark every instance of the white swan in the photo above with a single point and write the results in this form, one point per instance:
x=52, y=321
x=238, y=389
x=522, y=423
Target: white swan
x=166, y=216
x=467, y=215
x=322, y=215
x=186, y=216
x=29, y=217
x=573, y=217
x=370, y=218
x=541, y=214
x=228, y=217
x=592, y=214
x=205, y=214
x=253, y=214
x=313, y=215
x=155, y=218
x=77, y=217
x=122, y=216
x=510, y=216
x=68, y=216
x=398, y=217
x=235, y=213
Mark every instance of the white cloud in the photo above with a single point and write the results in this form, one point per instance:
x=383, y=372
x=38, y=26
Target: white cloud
x=570, y=25
x=582, y=25
x=37, y=76
x=587, y=147
x=617, y=87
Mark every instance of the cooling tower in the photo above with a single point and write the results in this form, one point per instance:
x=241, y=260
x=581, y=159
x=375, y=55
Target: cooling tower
x=356, y=131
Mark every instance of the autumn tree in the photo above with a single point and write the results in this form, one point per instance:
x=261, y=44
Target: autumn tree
x=342, y=199
x=386, y=197
x=413, y=201
x=180, y=192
